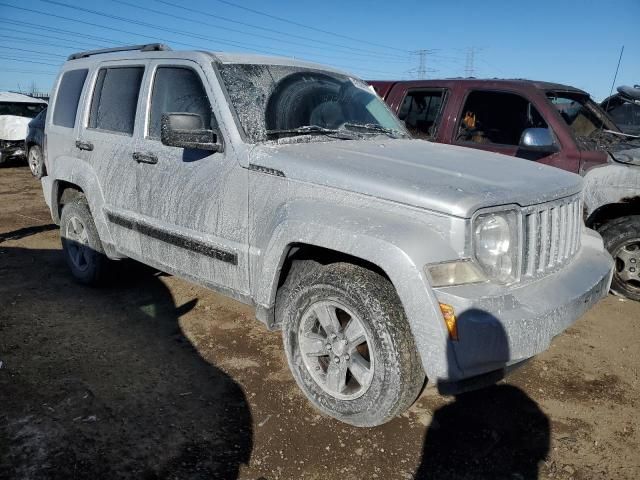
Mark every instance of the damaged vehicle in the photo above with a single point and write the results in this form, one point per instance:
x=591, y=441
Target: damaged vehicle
x=550, y=124
x=16, y=111
x=34, y=145
x=624, y=109
x=291, y=187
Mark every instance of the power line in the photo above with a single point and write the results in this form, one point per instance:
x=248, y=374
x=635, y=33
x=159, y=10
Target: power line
x=22, y=60
x=32, y=72
x=48, y=44
x=286, y=20
x=154, y=38
x=343, y=48
x=43, y=36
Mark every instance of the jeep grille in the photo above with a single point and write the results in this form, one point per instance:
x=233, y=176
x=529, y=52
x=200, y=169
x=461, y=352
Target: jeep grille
x=551, y=235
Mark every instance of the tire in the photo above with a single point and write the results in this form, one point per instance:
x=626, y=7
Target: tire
x=622, y=239
x=377, y=374
x=81, y=244
x=36, y=161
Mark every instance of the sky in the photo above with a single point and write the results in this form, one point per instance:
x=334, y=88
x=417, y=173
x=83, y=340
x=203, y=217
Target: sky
x=567, y=41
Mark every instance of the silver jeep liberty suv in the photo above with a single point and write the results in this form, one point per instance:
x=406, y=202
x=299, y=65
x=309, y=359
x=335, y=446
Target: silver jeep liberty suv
x=290, y=186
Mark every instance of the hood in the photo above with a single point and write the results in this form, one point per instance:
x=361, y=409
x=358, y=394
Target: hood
x=13, y=127
x=448, y=179
x=630, y=156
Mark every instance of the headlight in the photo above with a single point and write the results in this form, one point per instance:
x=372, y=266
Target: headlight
x=495, y=244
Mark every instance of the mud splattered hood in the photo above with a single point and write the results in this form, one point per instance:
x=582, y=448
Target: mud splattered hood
x=13, y=127
x=444, y=178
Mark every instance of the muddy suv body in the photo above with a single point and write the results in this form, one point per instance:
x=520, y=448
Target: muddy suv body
x=291, y=187
x=545, y=122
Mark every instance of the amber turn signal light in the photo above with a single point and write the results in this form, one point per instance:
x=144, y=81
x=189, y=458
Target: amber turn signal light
x=449, y=316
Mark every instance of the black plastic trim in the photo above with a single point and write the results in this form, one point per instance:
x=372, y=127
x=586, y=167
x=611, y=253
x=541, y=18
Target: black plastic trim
x=177, y=239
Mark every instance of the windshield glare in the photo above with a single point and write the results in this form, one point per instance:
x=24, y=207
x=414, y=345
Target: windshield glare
x=271, y=98
x=20, y=109
x=580, y=113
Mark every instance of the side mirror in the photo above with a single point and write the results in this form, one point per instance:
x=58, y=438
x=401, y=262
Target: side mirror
x=538, y=139
x=186, y=130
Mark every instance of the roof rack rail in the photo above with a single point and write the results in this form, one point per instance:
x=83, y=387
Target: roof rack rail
x=149, y=47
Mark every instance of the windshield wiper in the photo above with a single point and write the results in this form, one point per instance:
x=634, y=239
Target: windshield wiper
x=313, y=129
x=621, y=134
x=374, y=128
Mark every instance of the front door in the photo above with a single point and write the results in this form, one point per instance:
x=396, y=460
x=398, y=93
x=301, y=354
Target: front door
x=192, y=203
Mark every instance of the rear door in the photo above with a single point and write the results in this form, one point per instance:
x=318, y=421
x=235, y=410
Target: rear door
x=107, y=141
x=192, y=203
x=421, y=111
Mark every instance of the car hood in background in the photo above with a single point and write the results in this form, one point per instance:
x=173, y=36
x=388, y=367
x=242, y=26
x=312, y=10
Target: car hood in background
x=13, y=127
x=448, y=179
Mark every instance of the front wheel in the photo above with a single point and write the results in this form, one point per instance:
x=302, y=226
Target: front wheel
x=349, y=345
x=622, y=239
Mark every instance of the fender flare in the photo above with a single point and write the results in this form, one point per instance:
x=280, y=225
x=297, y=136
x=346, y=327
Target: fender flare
x=399, y=250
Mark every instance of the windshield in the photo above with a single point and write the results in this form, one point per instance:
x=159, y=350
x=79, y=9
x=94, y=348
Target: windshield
x=20, y=109
x=277, y=101
x=580, y=113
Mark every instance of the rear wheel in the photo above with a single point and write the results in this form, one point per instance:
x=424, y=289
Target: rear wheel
x=81, y=244
x=349, y=345
x=622, y=239
x=36, y=161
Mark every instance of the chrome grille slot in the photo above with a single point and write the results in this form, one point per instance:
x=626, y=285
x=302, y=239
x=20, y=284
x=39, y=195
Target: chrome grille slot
x=551, y=235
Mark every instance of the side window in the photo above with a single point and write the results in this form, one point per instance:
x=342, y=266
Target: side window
x=115, y=97
x=497, y=117
x=177, y=90
x=420, y=110
x=625, y=114
x=67, y=98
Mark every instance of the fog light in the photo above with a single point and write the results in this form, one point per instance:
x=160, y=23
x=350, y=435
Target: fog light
x=449, y=315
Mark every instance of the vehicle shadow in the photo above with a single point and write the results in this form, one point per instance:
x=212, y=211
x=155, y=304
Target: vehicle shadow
x=103, y=383
x=26, y=231
x=497, y=432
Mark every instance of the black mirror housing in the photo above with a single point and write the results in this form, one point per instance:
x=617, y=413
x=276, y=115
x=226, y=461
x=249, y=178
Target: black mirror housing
x=186, y=130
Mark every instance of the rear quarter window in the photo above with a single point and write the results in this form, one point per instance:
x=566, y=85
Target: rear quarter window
x=67, y=98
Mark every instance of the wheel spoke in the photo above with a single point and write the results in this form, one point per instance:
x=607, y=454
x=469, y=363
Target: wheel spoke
x=313, y=345
x=625, y=275
x=337, y=376
x=360, y=368
x=327, y=318
x=354, y=331
x=76, y=227
x=84, y=236
x=626, y=255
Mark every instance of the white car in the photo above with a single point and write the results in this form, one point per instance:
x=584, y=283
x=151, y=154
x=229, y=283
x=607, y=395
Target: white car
x=16, y=111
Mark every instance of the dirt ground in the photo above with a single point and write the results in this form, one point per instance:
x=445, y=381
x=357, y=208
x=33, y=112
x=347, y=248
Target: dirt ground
x=154, y=377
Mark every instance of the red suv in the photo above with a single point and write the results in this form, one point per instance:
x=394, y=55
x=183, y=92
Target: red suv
x=545, y=122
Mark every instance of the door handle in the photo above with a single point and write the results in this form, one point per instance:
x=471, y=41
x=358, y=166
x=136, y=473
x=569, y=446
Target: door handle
x=88, y=146
x=145, y=157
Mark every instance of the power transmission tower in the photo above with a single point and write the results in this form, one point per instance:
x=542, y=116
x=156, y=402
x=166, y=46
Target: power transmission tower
x=422, y=70
x=469, y=66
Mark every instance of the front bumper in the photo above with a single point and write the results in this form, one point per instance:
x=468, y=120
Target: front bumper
x=499, y=327
x=11, y=148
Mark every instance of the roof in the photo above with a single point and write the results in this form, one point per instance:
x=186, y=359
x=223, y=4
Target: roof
x=18, y=98
x=250, y=58
x=163, y=51
x=480, y=82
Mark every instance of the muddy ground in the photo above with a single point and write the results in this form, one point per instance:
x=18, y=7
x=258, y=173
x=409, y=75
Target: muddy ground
x=154, y=377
